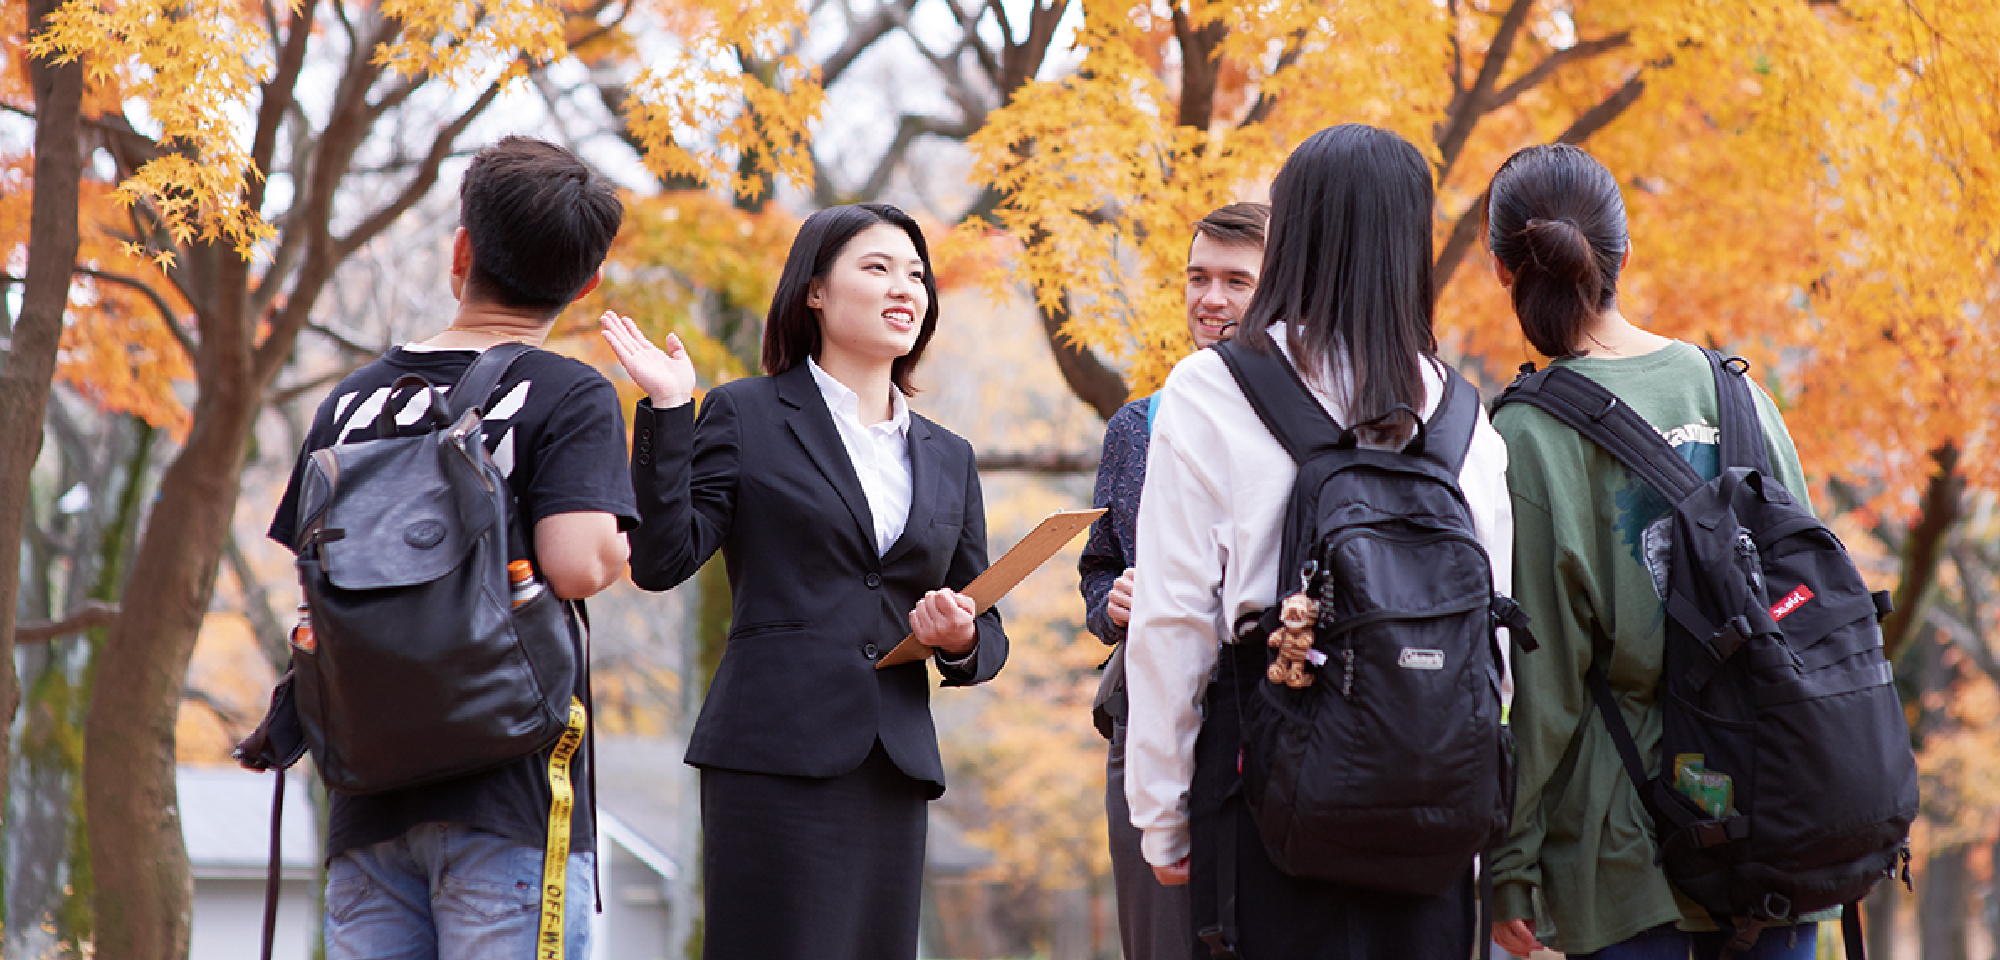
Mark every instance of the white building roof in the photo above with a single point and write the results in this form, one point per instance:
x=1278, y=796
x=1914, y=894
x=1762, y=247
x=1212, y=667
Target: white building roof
x=226, y=822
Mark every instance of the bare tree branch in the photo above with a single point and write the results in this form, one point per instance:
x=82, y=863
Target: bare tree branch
x=1465, y=232
x=277, y=98
x=420, y=184
x=1583, y=50
x=181, y=335
x=1097, y=385
x=1056, y=463
x=90, y=616
x=1266, y=99
x=1466, y=110
x=908, y=129
x=344, y=341
x=860, y=36
x=232, y=720
x=280, y=397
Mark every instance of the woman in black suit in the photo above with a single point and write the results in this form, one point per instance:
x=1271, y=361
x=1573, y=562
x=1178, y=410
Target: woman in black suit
x=845, y=521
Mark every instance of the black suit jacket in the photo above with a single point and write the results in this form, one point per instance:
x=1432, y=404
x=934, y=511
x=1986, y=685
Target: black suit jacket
x=763, y=475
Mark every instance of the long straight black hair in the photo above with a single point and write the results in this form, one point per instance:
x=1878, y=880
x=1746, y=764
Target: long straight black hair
x=791, y=329
x=1347, y=267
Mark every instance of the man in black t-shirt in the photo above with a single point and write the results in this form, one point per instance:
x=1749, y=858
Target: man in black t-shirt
x=455, y=869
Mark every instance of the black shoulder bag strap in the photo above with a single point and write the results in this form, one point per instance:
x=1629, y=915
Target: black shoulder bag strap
x=480, y=379
x=1605, y=420
x=1297, y=421
x=1742, y=442
x=1596, y=413
x=1289, y=410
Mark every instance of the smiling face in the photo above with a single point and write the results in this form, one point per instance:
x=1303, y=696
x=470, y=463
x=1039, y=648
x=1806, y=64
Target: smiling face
x=872, y=301
x=1220, y=279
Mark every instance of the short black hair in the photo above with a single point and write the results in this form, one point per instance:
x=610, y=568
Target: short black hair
x=791, y=330
x=540, y=221
x=1348, y=268
x=1240, y=223
x=1556, y=220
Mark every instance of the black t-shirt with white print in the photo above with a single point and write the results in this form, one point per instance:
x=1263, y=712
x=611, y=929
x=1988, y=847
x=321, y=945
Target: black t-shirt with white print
x=555, y=429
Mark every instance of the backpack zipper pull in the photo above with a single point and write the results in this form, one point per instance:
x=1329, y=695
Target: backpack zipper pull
x=1347, y=677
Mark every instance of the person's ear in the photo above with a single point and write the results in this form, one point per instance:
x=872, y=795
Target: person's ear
x=461, y=262
x=815, y=293
x=1626, y=260
x=1501, y=272
x=591, y=284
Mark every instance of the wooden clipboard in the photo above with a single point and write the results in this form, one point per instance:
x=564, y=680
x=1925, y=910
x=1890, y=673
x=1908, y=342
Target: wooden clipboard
x=1035, y=549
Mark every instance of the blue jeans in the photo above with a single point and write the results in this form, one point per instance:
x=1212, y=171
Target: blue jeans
x=442, y=891
x=1797, y=942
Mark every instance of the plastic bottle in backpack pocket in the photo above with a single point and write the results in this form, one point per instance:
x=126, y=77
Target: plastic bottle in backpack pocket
x=302, y=632
x=521, y=578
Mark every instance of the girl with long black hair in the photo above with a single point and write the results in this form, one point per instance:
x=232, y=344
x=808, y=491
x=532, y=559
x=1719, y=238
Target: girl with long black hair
x=1345, y=298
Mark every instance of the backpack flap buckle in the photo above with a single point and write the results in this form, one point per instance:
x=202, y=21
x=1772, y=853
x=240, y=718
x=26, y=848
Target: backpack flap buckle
x=1885, y=604
x=1507, y=613
x=1219, y=947
x=1714, y=833
x=1723, y=643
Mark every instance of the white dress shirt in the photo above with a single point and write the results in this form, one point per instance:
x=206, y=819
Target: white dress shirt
x=1217, y=484
x=879, y=452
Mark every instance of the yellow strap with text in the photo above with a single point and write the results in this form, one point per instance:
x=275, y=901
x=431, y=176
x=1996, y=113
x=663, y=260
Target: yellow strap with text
x=555, y=861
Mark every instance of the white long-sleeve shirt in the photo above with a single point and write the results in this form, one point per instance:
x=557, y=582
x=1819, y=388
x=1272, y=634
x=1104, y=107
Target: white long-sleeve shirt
x=1217, y=483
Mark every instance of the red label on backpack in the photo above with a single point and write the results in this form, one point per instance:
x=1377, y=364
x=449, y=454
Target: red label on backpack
x=1794, y=600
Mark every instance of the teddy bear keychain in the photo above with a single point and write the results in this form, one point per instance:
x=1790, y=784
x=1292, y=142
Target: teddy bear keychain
x=1294, y=641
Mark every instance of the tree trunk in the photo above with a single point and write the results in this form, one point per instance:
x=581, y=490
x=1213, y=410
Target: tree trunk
x=30, y=363
x=145, y=891
x=38, y=825
x=1878, y=918
x=1924, y=550
x=1098, y=386
x=48, y=849
x=1941, y=909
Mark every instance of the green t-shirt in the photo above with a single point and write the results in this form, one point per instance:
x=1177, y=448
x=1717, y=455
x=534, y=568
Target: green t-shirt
x=1591, y=547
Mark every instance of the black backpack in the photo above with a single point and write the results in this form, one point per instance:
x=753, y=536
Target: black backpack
x=422, y=664
x=1787, y=783
x=421, y=669
x=1392, y=769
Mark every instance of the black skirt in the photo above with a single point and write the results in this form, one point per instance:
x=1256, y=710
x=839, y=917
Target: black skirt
x=812, y=868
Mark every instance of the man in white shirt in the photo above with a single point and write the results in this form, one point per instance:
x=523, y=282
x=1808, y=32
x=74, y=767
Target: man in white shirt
x=1224, y=261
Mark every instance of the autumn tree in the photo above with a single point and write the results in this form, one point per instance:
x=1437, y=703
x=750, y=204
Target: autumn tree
x=1803, y=180
x=1811, y=184
x=56, y=90
x=219, y=114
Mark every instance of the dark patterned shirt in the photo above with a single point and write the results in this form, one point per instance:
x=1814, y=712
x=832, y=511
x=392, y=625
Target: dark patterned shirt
x=1114, y=538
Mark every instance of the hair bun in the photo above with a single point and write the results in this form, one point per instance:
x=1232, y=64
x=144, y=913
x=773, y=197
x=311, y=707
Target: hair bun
x=1561, y=249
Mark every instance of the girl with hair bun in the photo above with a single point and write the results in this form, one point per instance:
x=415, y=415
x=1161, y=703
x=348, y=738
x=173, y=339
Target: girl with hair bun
x=1590, y=554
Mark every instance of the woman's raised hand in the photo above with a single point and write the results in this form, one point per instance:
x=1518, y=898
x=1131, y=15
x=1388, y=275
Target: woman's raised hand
x=666, y=375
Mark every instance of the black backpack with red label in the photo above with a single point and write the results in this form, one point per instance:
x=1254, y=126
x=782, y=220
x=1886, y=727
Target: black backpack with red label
x=1785, y=782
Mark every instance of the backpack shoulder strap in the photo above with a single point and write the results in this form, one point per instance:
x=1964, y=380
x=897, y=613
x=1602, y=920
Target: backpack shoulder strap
x=479, y=379
x=1602, y=418
x=1447, y=436
x=1288, y=409
x=1736, y=408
